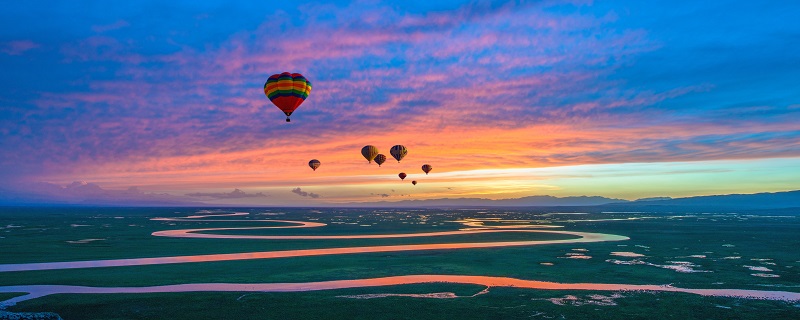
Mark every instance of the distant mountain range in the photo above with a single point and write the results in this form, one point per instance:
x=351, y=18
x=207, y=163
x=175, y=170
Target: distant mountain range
x=532, y=201
x=87, y=194
x=769, y=200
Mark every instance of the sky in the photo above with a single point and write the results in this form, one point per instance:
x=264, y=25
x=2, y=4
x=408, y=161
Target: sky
x=623, y=99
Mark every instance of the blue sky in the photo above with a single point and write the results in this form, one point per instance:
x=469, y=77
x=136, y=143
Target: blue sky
x=167, y=96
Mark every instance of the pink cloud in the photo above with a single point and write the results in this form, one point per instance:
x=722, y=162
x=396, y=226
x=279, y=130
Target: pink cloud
x=15, y=48
x=101, y=48
x=455, y=96
x=119, y=24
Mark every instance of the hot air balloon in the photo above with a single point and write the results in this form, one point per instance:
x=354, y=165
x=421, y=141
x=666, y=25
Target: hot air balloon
x=398, y=152
x=380, y=159
x=287, y=91
x=427, y=168
x=369, y=152
x=414, y=182
x=402, y=175
x=314, y=164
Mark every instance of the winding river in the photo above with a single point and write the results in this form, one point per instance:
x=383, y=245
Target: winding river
x=477, y=226
x=36, y=291
x=197, y=233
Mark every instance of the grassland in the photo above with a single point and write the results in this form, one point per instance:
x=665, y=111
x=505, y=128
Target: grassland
x=718, y=247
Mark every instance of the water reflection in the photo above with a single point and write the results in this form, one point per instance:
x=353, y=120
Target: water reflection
x=35, y=291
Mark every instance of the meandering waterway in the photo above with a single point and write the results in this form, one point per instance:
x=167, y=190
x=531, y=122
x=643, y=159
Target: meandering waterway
x=580, y=237
x=476, y=227
x=36, y=291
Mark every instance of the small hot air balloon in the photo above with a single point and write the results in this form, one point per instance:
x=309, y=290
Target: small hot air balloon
x=398, y=152
x=369, y=152
x=402, y=175
x=287, y=91
x=380, y=159
x=414, y=182
x=427, y=168
x=314, y=164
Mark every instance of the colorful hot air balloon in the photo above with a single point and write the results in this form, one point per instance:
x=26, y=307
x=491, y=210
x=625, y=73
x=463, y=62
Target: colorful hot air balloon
x=380, y=159
x=369, y=152
x=287, y=91
x=402, y=175
x=427, y=168
x=398, y=152
x=314, y=164
x=414, y=182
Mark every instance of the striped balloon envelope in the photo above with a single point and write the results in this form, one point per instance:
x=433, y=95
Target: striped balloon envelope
x=287, y=91
x=427, y=168
x=314, y=164
x=369, y=152
x=398, y=152
x=380, y=159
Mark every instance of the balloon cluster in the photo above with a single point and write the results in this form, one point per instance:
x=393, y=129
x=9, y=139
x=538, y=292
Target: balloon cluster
x=288, y=90
x=371, y=153
x=398, y=152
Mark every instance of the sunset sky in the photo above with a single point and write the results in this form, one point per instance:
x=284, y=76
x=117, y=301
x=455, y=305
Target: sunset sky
x=623, y=99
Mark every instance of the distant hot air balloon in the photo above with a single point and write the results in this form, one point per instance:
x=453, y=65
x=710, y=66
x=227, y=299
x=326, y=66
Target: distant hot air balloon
x=287, y=91
x=398, y=152
x=402, y=175
x=314, y=164
x=380, y=159
x=369, y=152
x=427, y=168
x=414, y=182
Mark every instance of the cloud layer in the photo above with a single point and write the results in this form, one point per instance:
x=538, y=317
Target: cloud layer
x=302, y=193
x=235, y=194
x=172, y=99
